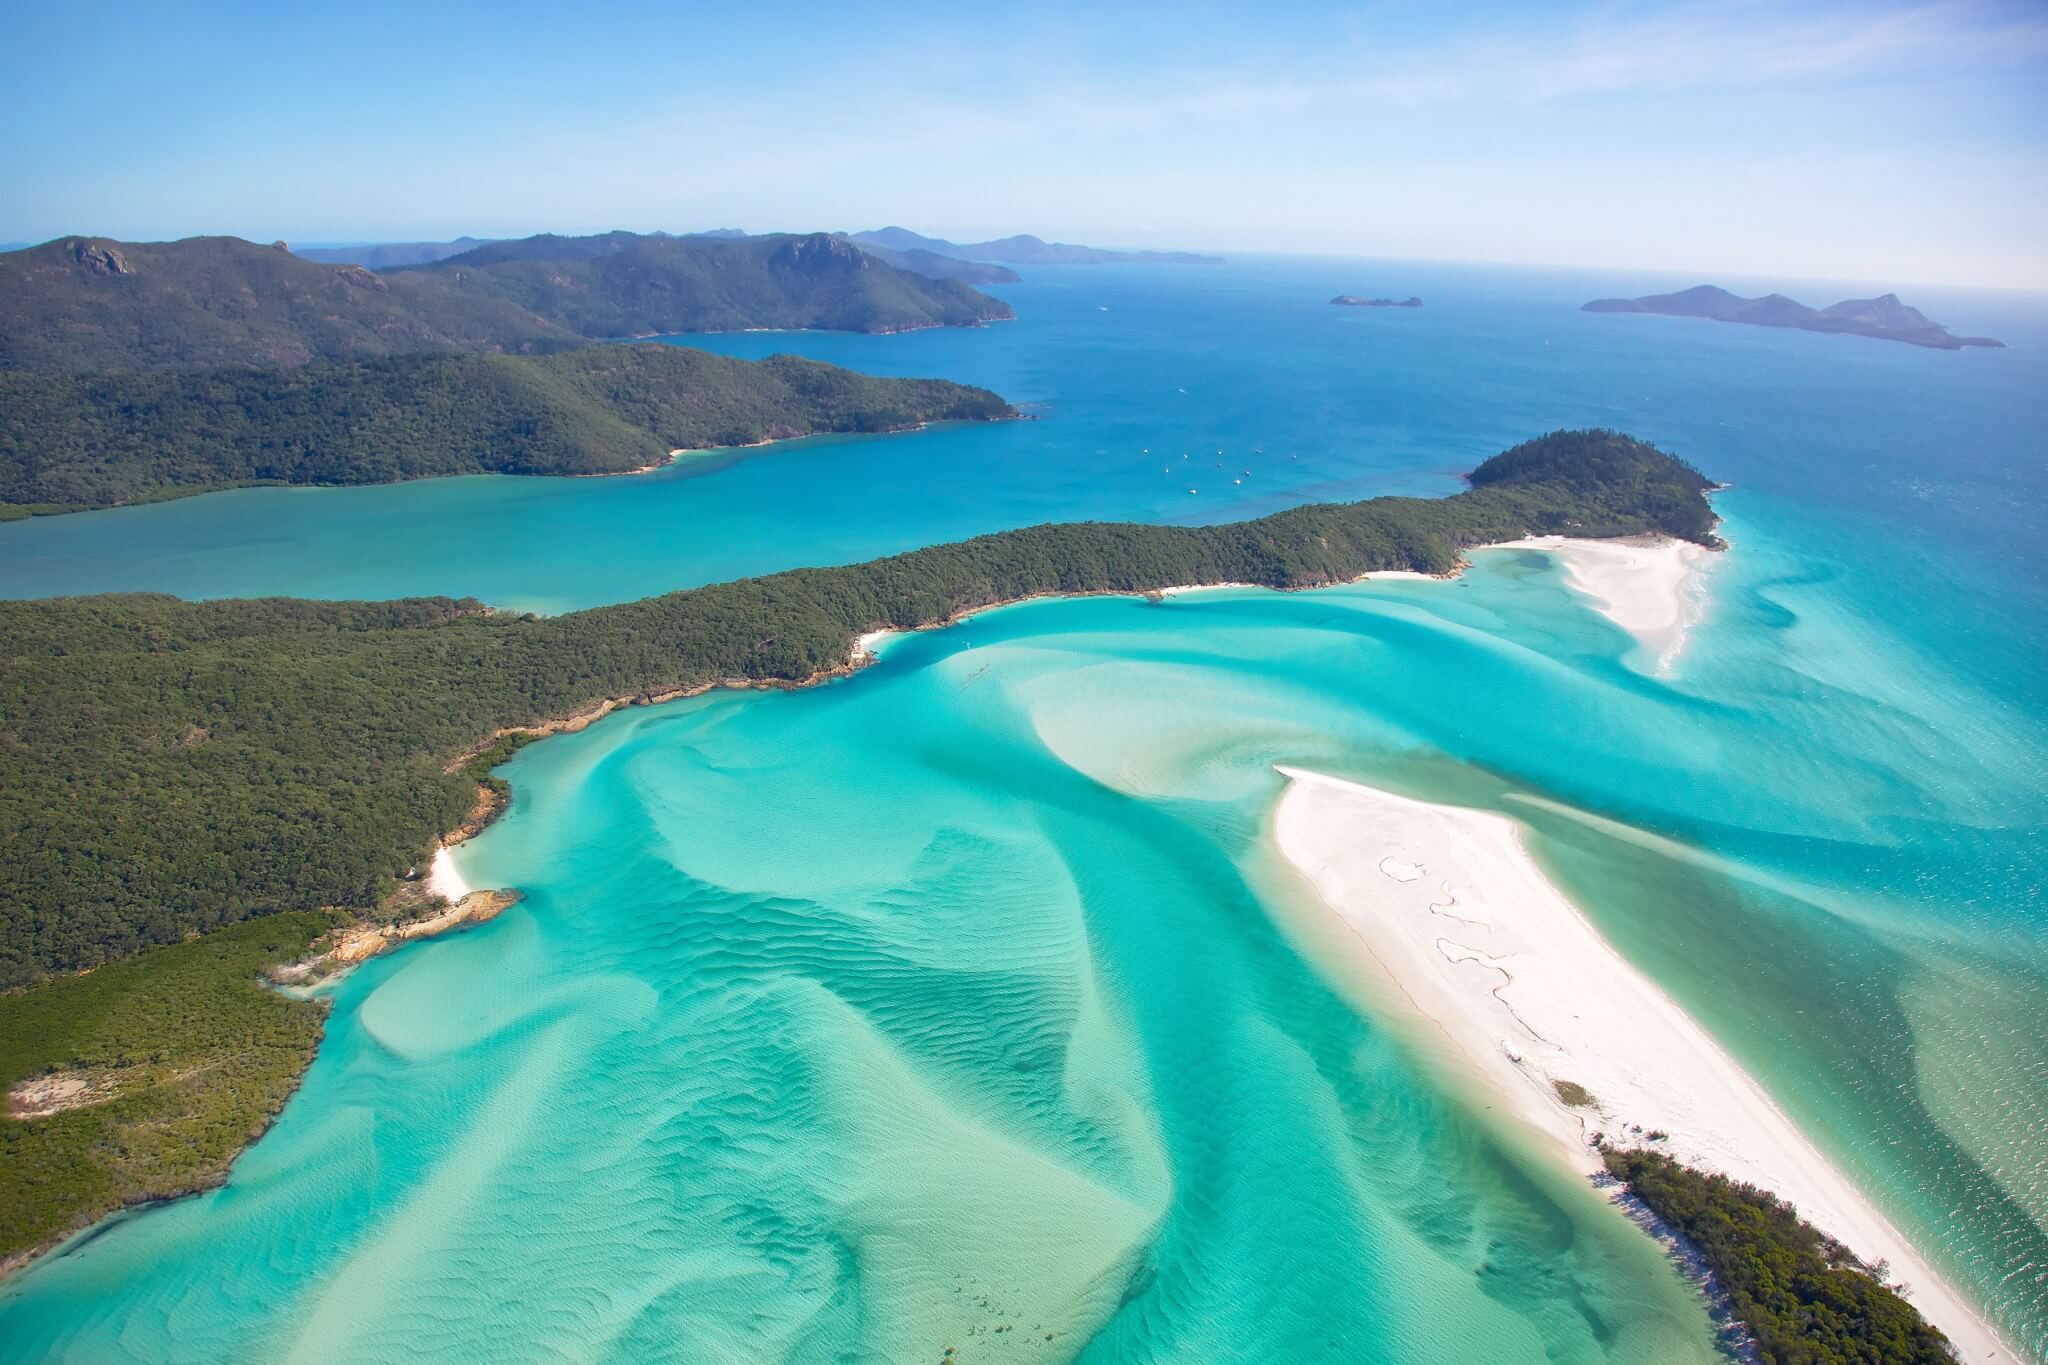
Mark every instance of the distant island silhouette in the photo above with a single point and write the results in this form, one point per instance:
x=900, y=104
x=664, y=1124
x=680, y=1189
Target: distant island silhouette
x=1022, y=249
x=1353, y=301
x=1884, y=317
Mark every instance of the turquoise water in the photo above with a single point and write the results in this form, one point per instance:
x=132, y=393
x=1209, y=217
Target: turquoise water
x=1119, y=361
x=965, y=994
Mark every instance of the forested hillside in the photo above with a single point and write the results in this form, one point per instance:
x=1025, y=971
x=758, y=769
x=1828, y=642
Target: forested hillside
x=94, y=440
x=89, y=303
x=624, y=285
x=169, y=766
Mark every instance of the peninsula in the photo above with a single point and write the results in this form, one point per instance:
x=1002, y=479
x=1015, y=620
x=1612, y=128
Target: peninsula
x=195, y=784
x=203, y=782
x=74, y=441
x=1883, y=318
x=1456, y=924
x=1354, y=301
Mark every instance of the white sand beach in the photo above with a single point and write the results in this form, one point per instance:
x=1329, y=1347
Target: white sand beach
x=864, y=646
x=1527, y=993
x=1650, y=586
x=445, y=879
x=1376, y=576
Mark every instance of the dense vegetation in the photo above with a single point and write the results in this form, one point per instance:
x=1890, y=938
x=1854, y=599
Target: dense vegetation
x=87, y=303
x=624, y=285
x=169, y=766
x=229, y=769
x=188, y=1056
x=92, y=440
x=1565, y=460
x=1804, y=1298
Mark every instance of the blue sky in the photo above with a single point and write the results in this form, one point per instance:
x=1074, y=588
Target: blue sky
x=1901, y=143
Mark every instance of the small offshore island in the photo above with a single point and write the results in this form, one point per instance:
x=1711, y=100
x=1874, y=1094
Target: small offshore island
x=1883, y=318
x=1354, y=301
x=418, y=700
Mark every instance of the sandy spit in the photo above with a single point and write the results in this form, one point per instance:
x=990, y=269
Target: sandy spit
x=1525, y=991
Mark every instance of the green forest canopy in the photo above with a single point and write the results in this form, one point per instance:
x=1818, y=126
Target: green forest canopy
x=95, y=440
x=1804, y=1298
x=90, y=303
x=228, y=769
x=193, y=1055
x=171, y=766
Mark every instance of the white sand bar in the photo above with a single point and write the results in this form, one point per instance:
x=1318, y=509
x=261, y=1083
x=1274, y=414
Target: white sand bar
x=1527, y=992
x=1650, y=586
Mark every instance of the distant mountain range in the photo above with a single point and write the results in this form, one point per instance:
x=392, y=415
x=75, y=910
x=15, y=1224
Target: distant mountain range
x=932, y=257
x=1021, y=250
x=1884, y=317
x=385, y=255
x=391, y=255
x=85, y=303
x=937, y=267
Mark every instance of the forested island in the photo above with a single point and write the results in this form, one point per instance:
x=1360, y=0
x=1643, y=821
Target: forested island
x=917, y=260
x=231, y=769
x=79, y=440
x=623, y=284
x=89, y=303
x=1883, y=318
x=133, y=371
x=1804, y=1298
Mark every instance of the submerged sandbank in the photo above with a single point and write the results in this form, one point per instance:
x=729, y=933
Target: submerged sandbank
x=1650, y=586
x=1528, y=994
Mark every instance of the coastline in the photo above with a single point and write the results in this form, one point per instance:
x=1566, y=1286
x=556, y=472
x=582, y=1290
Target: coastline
x=1650, y=586
x=683, y=453
x=363, y=939
x=1371, y=576
x=1526, y=994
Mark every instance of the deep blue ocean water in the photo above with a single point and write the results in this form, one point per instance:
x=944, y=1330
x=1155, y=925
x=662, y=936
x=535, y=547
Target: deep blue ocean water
x=965, y=995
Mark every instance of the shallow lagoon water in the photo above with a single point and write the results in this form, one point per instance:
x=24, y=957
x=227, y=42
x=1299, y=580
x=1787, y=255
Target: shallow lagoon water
x=860, y=1022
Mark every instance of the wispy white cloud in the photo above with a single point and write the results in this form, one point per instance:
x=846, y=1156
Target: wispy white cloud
x=1692, y=47
x=1712, y=43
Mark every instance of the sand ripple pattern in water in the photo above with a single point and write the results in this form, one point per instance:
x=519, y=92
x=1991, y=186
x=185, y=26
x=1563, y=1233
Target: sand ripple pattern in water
x=963, y=1005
